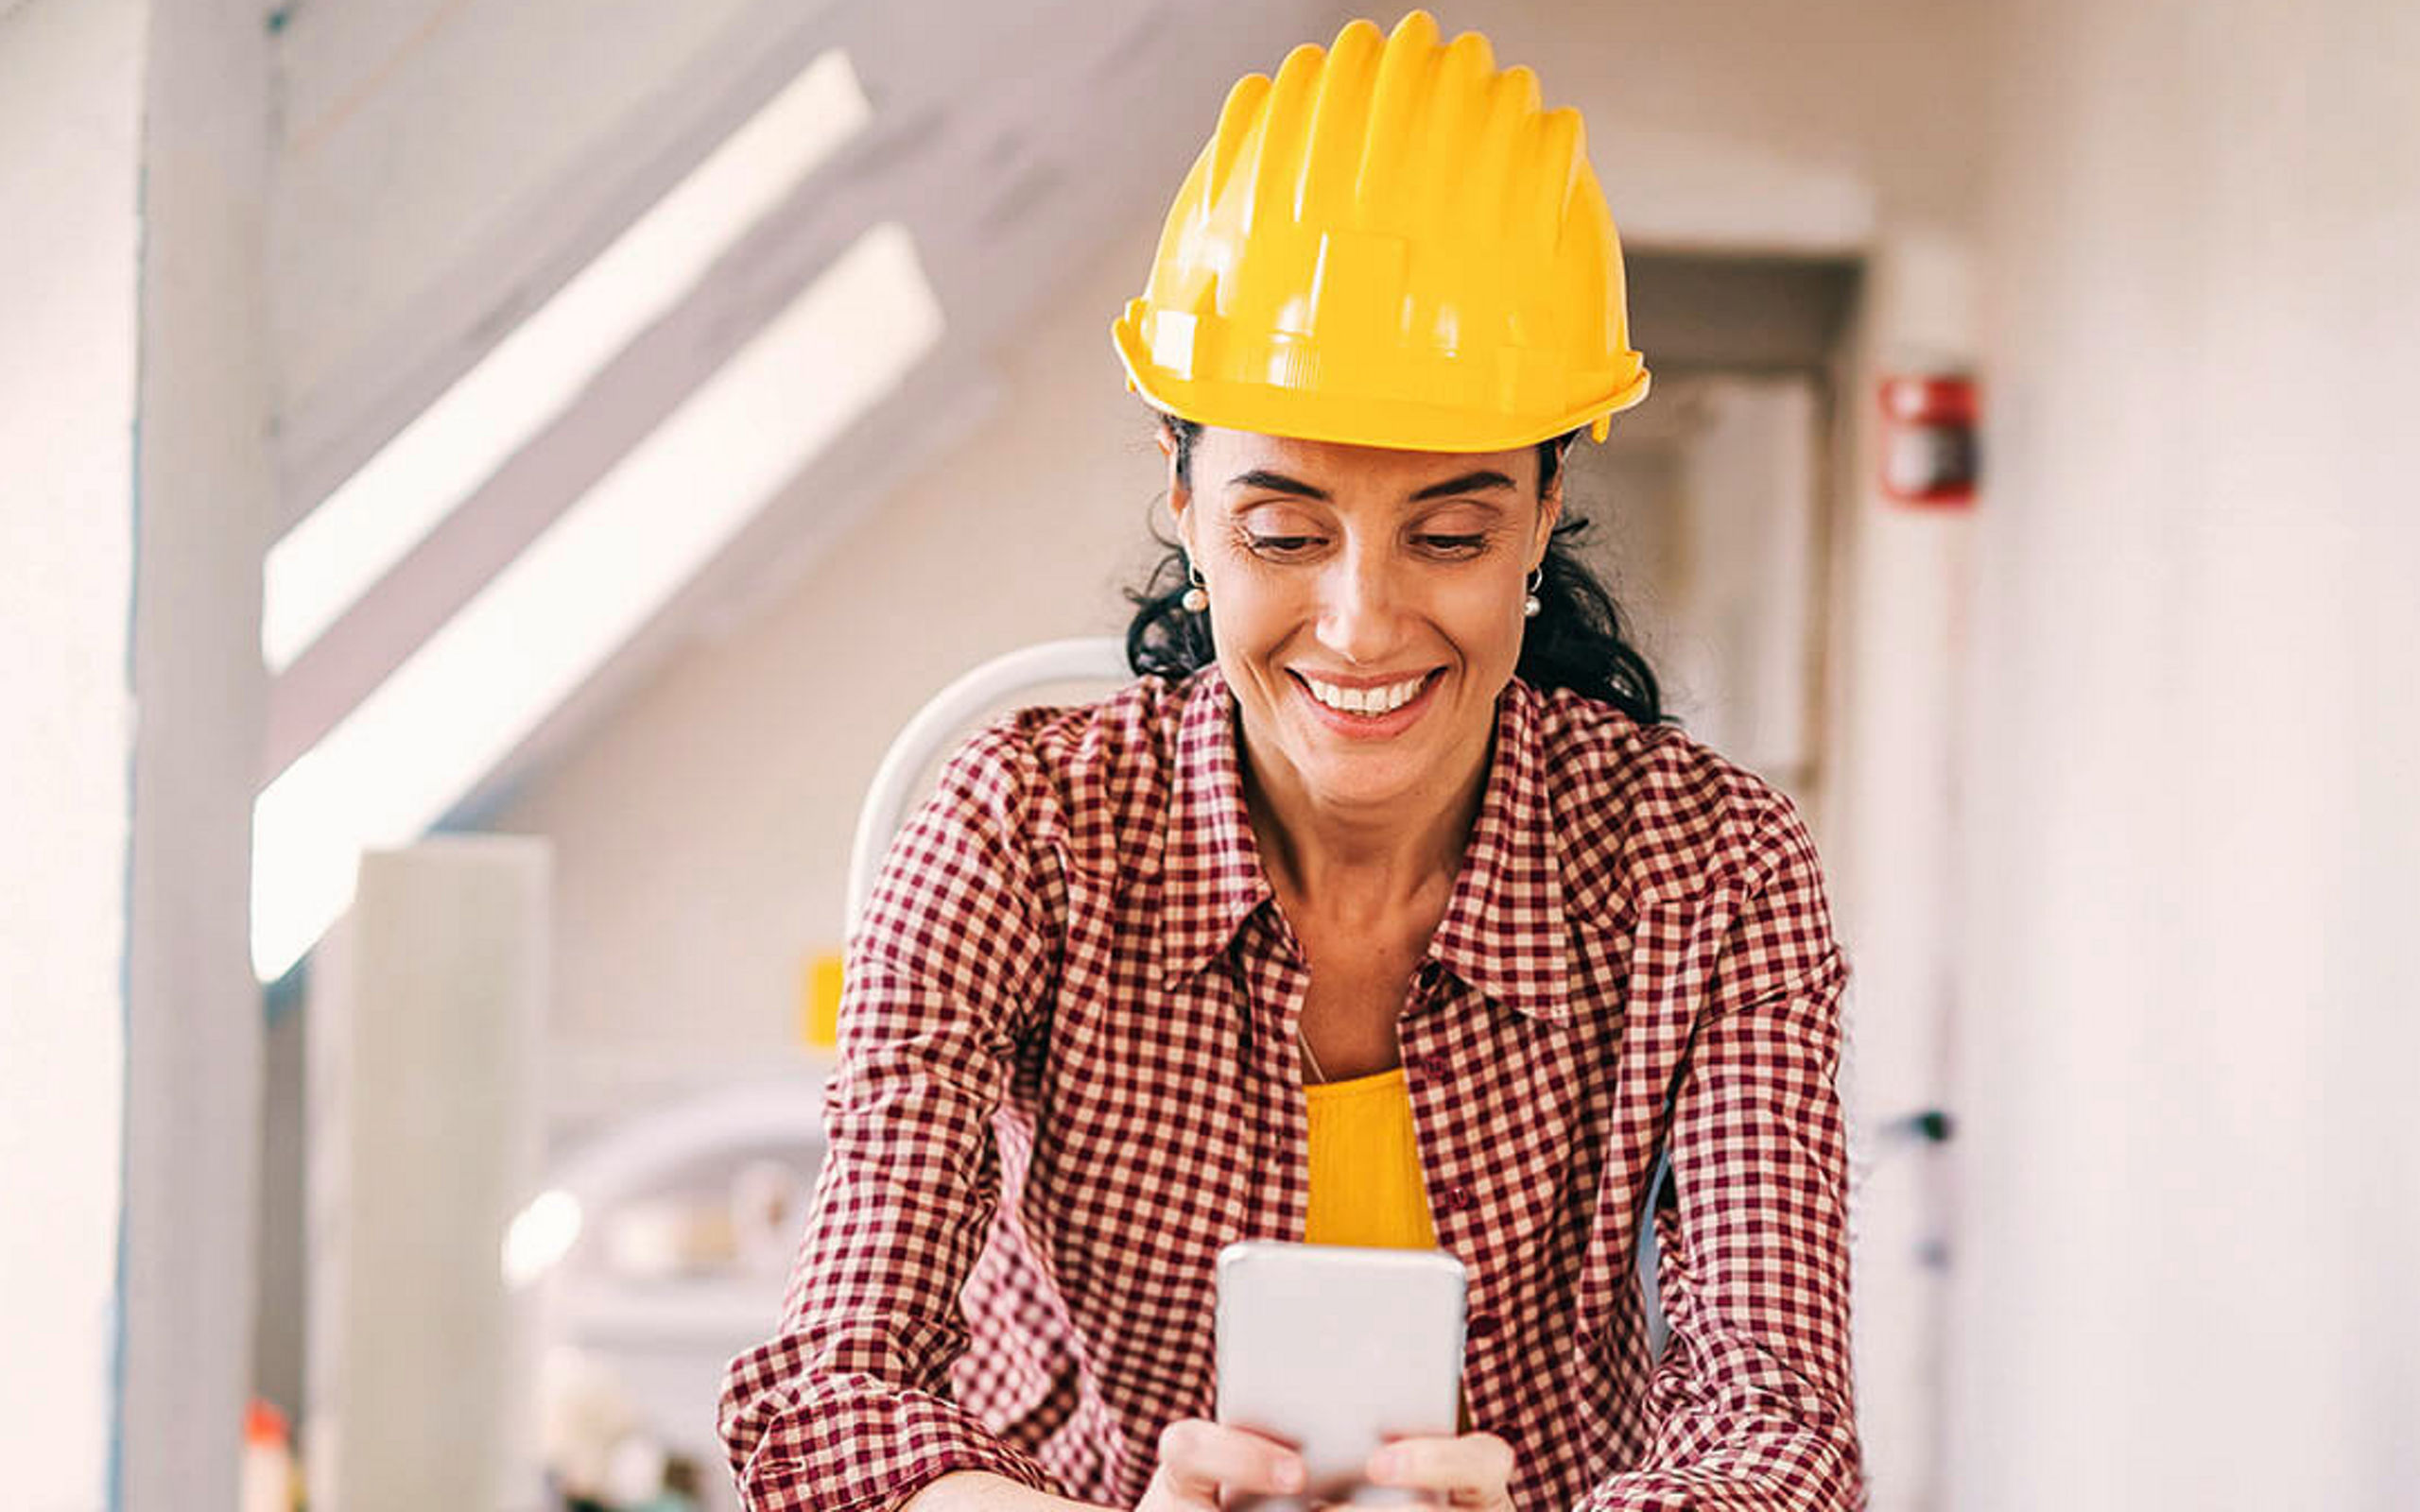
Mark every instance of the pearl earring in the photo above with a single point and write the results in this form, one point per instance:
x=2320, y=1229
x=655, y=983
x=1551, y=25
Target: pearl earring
x=1530, y=605
x=1196, y=598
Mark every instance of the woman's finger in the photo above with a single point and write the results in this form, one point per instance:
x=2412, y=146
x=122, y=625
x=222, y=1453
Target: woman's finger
x=1200, y=1457
x=1471, y=1470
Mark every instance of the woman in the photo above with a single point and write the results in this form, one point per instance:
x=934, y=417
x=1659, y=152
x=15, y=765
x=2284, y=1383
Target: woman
x=1382, y=909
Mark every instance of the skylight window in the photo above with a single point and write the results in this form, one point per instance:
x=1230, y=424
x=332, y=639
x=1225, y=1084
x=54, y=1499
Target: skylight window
x=486, y=679
x=334, y=555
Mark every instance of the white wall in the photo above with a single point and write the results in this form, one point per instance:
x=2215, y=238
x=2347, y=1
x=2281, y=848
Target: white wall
x=2187, y=959
x=1758, y=123
x=71, y=98
x=132, y=428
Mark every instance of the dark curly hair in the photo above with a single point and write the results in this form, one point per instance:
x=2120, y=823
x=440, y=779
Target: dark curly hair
x=1575, y=642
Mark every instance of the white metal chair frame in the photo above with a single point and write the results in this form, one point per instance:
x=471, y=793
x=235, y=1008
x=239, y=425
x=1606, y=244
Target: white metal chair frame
x=936, y=728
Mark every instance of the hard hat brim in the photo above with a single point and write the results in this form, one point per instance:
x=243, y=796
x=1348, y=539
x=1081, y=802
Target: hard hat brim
x=1275, y=409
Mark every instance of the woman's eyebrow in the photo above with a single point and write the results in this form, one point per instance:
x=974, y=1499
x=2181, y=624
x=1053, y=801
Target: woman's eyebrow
x=1275, y=483
x=1467, y=482
x=1279, y=483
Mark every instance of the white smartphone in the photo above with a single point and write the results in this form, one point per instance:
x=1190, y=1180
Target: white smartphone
x=1336, y=1349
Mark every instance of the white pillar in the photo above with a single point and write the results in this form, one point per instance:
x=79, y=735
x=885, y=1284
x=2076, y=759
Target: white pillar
x=194, y=1009
x=1892, y=847
x=427, y=1005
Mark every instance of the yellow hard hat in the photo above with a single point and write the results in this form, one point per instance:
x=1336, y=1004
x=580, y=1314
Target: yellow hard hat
x=1390, y=243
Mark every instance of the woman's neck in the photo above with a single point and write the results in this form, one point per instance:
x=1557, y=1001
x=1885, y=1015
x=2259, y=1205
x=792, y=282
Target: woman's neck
x=1363, y=860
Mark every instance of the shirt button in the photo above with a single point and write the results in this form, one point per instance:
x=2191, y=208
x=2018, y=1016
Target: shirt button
x=1479, y=1326
x=1453, y=1197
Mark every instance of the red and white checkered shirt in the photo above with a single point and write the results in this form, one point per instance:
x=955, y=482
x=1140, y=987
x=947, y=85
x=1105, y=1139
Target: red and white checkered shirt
x=1068, y=1079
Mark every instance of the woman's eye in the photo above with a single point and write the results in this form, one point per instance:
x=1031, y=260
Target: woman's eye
x=1469, y=545
x=1455, y=543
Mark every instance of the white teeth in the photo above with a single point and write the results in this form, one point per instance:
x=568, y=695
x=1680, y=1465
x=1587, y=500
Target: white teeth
x=1365, y=700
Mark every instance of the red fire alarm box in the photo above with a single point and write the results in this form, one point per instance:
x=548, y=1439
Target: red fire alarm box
x=1929, y=438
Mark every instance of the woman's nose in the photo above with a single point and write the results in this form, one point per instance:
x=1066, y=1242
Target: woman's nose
x=1361, y=617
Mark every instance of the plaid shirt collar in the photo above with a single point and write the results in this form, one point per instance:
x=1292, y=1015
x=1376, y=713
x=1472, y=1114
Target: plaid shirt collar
x=1503, y=931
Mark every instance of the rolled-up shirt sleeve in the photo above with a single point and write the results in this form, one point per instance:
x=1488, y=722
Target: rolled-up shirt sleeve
x=1751, y=1398
x=847, y=1408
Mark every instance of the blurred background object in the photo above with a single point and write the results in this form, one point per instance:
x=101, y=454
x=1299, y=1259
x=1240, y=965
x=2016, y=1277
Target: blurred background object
x=609, y=423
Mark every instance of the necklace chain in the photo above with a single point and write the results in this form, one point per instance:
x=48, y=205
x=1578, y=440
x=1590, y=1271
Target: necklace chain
x=1299, y=1039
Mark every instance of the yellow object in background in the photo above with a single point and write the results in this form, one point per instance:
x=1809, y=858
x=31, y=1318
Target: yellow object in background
x=820, y=1007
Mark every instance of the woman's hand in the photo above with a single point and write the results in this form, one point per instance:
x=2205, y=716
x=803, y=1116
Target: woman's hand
x=1199, y=1458
x=1474, y=1470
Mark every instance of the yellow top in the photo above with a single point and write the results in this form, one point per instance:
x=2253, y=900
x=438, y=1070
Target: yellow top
x=1366, y=1187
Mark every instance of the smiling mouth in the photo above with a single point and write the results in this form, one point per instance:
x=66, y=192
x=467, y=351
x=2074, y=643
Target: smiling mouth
x=1366, y=703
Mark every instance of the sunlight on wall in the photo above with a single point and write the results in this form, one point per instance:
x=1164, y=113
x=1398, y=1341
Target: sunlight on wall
x=535, y=374
x=486, y=677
